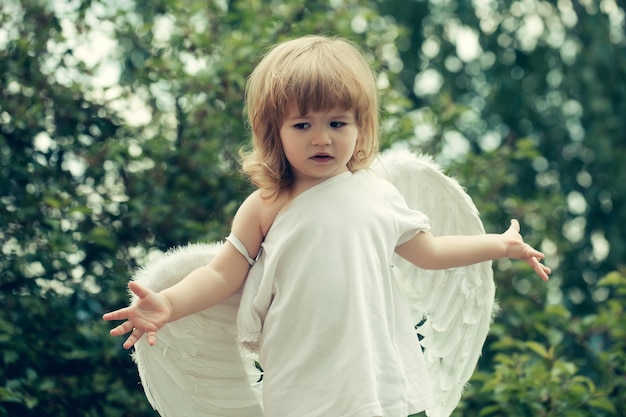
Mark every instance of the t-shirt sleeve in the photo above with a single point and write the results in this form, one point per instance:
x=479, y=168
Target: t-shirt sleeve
x=409, y=222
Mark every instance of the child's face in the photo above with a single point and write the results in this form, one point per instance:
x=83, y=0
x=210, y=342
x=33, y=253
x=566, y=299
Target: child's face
x=318, y=145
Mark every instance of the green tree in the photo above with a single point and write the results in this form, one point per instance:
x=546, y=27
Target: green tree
x=120, y=124
x=545, y=79
x=528, y=98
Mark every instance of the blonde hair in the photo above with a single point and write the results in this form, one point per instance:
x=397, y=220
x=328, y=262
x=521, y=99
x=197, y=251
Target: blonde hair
x=316, y=73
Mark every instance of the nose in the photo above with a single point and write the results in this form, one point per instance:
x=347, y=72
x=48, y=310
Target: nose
x=321, y=137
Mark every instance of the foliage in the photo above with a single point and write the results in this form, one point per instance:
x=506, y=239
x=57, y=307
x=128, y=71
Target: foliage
x=120, y=124
x=537, y=373
x=534, y=91
x=110, y=153
x=546, y=76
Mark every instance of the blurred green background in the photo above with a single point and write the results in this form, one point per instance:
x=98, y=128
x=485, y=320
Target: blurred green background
x=119, y=127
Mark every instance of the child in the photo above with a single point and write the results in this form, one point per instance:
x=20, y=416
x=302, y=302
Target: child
x=323, y=229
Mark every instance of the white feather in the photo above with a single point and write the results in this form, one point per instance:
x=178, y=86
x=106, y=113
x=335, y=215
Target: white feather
x=458, y=304
x=196, y=367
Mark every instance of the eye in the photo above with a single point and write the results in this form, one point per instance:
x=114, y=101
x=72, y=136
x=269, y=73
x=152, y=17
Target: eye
x=337, y=124
x=302, y=125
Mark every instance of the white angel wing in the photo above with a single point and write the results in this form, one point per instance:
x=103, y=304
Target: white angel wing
x=455, y=306
x=196, y=367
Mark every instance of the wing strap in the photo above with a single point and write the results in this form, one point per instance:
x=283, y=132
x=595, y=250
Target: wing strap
x=240, y=247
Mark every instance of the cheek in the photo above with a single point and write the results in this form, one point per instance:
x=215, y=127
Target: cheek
x=283, y=139
x=357, y=142
x=289, y=146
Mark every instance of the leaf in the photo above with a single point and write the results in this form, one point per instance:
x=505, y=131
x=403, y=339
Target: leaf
x=614, y=279
x=579, y=379
x=538, y=349
x=489, y=410
x=564, y=367
x=603, y=404
x=10, y=356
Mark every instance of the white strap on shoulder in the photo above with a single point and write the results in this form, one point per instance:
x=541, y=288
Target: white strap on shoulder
x=240, y=247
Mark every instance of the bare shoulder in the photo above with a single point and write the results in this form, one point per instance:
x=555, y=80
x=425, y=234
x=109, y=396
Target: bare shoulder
x=265, y=208
x=255, y=217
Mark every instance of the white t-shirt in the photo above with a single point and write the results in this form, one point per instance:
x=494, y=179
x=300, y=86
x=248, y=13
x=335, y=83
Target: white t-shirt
x=334, y=332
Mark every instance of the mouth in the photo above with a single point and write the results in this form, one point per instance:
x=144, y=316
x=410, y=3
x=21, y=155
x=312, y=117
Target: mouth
x=321, y=157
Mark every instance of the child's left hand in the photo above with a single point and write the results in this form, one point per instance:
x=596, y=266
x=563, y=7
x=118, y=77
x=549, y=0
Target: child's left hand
x=518, y=249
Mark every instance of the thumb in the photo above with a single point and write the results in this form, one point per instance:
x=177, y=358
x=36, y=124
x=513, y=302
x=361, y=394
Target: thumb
x=139, y=290
x=514, y=225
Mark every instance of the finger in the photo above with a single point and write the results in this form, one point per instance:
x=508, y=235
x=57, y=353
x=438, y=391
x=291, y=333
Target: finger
x=151, y=336
x=133, y=338
x=530, y=252
x=536, y=254
x=515, y=225
x=122, y=329
x=139, y=290
x=120, y=314
x=539, y=268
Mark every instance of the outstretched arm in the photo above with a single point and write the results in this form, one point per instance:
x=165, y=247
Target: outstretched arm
x=203, y=288
x=442, y=252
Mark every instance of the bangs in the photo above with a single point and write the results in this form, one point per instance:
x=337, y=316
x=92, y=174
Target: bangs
x=321, y=76
x=323, y=88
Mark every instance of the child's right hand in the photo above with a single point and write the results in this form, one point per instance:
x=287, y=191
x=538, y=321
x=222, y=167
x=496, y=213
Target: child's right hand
x=151, y=312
